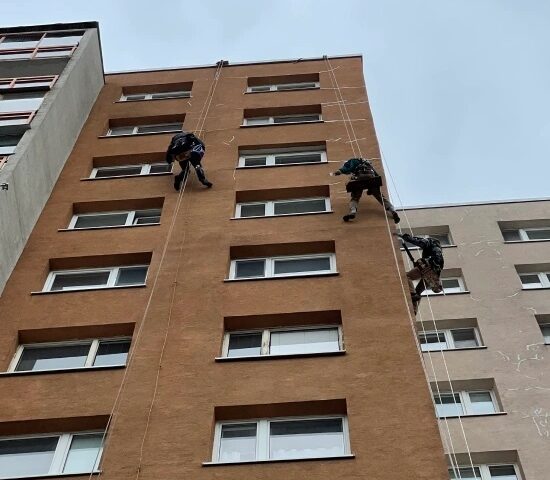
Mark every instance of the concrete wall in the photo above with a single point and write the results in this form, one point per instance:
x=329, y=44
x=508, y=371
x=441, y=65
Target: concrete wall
x=33, y=170
x=515, y=357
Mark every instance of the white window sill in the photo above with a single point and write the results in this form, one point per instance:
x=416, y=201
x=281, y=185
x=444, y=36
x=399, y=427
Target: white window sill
x=61, y=370
x=88, y=179
x=106, y=228
x=281, y=165
x=140, y=134
x=418, y=248
x=536, y=288
x=475, y=415
x=307, y=275
x=279, y=124
x=248, y=462
x=434, y=295
x=461, y=349
x=153, y=99
x=283, y=215
x=527, y=241
x=54, y=475
x=284, y=355
x=289, y=90
x=87, y=290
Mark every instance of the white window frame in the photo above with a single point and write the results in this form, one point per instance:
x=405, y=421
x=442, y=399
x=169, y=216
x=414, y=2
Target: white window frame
x=542, y=327
x=523, y=234
x=276, y=87
x=449, y=339
x=466, y=403
x=270, y=207
x=135, y=129
x=461, y=286
x=113, y=276
x=544, y=282
x=271, y=119
x=150, y=96
x=145, y=170
x=263, y=437
x=271, y=154
x=130, y=218
x=270, y=261
x=61, y=452
x=90, y=359
x=266, y=339
x=484, y=470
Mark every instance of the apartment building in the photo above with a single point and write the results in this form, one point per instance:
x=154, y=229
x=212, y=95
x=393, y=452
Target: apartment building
x=243, y=331
x=50, y=76
x=485, y=341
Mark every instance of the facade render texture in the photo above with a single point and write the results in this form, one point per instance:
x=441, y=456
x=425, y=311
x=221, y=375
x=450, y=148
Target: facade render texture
x=485, y=342
x=242, y=331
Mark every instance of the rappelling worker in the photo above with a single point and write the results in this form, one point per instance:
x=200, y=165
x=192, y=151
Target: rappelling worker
x=363, y=177
x=187, y=149
x=426, y=269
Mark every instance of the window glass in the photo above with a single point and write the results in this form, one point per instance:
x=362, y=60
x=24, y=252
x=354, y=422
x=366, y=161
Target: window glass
x=8, y=143
x=260, y=88
x=257, y=121
x=301, y=206
x=143, y=217
x=118, y=171
x=67, y=281
x=306, y=438
x=156, y=96
x=432, y=341
x=304, y=341
x=503, y=472
x=114, y=131
x=103, y=220
x=481, y=403
x=538, y=234
x=53, y=357
x=112, y=352
x=83, y=453
x=20, y=102
x=131, y=276
x=443, y=238
x=27, y=456
x=24, y=83
x=249, y=268
x=464, y=338
x=61, y=40
x=511, y=235
x=465, y=473
x=162, y=127
x=15, y=56
x=298, y=158
x=129, y=98
x=245, y=344
x=530, y=279
x=253, y=210
x=545, y=329
x=296, y=86
x=297, y=118
x=238, y=442
x=451, y=285
x=448, y=405
x=255, y=161
x=160, y=168
x=53, y=53
x=12, y=42
x=298, y=265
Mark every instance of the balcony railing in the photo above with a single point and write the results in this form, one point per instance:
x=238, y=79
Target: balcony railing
x=38, y=52
x=12, y=84
x=16, y=118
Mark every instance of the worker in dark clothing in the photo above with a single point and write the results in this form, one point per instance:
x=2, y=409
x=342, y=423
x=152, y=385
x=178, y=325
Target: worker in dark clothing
x=426, y=269
x=364, y=177
x=187, y=149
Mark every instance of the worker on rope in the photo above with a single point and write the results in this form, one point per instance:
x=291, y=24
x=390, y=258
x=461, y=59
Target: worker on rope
x=187, y=148
x=426, y=269
x=363, y=177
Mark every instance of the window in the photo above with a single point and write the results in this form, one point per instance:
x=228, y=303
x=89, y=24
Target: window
x=545, y=330
x=86, y=279
x=526, y=234
x=283, y=266
x=27, y=83
x=280, y=439
x=131, y=170
x=143, y=129
x=54, y=454
x=20, y=102
x=283, y=87
x=282, y=207
x=449, y=339
x=22, y=46
x=450, y=285
x=154, y=96
x=115, y=219
x=535, y=280
x=484, y=472
x=282, y=158
x=75, y=354
x=283, y=341
x=465, y=403
x=281, y=119
x=8, y=143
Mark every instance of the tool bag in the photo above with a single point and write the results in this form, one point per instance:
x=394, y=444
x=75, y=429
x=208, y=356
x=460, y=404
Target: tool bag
x=364, y=184
x=431, y=279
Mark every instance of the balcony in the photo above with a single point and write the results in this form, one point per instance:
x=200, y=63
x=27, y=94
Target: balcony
x=12, y=123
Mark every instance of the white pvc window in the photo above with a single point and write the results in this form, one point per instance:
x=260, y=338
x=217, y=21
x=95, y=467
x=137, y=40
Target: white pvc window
x=50, y=454
x=88, y=353
x=89, y=279
x=283, y=341
x=282, y=119
x=277, y=208
x=457, y=404
x=291, y=266
x=131, y=170
x=449, y=339
x=485, y=472
x=526, y=234
x=143, y=129
x=155, y=96
x=280, y=439
x=115, y=219
x=283, y=87
x=450, y=285
x=21, y=102
x=545, y=330
x=535, y=280
x=282, y=158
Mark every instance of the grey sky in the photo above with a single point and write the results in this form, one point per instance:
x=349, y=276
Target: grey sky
x=460, y=89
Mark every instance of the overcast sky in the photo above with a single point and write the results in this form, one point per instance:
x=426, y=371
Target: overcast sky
x=459, y=89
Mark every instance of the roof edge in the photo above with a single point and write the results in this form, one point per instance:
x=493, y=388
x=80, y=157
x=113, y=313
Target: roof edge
x=50, y=27
x=470, y=204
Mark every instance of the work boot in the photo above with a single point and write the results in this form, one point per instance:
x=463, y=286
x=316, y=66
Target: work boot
x=207, y=184
x=396, y=218
x=352, y=211
x=415, y=297
x=177, y=182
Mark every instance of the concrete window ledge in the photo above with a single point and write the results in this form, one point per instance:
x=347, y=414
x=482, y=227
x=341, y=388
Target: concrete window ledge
x=305, y=164
x=163, y=174
x=284, y=215
x=276, y=357
x=225, y=464
x=61, y=370
x=496, y=414
x=106, y=228
x=332, y=274
x=172, y=132
x=462, y=349
x=280, y=124
x=87, y=290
